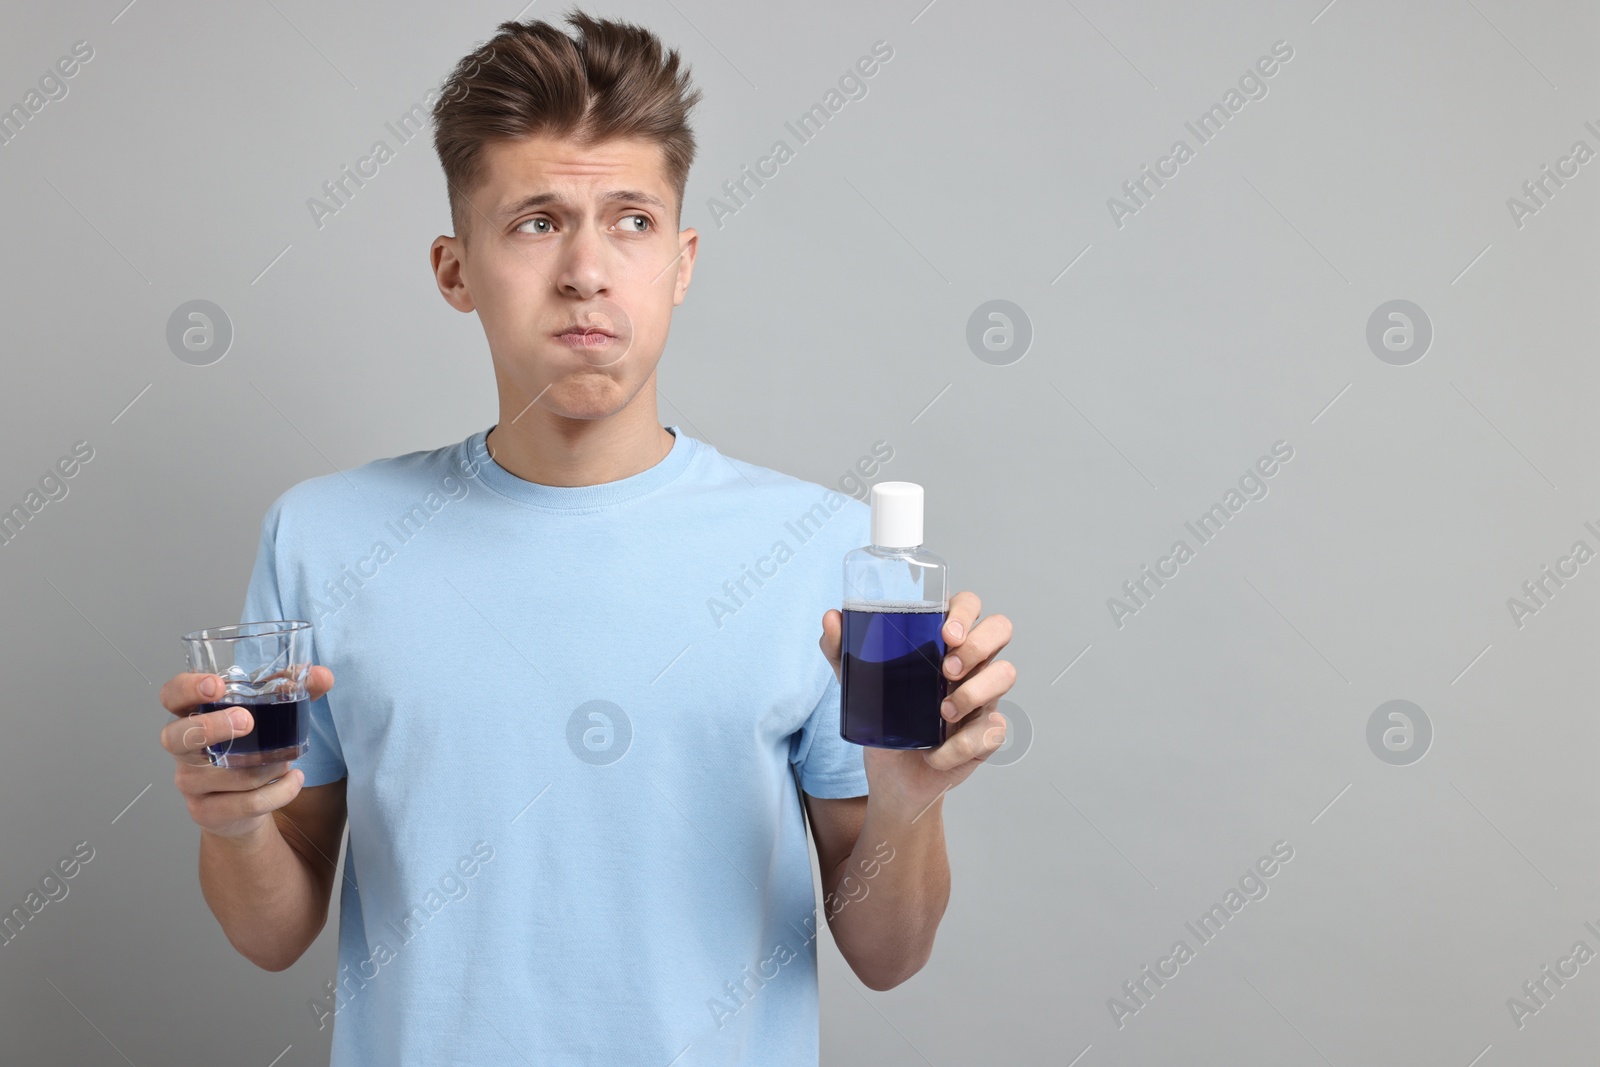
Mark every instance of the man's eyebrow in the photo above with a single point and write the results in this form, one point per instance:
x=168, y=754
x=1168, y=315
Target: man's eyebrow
x=528, y=203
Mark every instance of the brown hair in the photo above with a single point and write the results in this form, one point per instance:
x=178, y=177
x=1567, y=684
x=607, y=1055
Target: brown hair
x=614, y=81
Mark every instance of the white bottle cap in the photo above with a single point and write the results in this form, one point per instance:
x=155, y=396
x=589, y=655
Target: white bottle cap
x=896, y=514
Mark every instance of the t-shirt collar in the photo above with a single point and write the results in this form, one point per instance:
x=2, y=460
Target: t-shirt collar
x=579, y=497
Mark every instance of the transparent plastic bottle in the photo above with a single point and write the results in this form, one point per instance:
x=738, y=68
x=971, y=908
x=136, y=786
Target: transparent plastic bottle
x=896, y=599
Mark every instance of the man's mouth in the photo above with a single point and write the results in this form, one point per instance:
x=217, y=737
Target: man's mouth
x=585, y=337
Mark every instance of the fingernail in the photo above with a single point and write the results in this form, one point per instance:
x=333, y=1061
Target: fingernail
x=947, y=709
x=208, y=687
x=955, y=630
x=239, y=718
x=953, y=665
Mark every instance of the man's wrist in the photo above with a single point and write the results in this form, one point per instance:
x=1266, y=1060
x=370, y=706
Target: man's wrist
x=248, y=843
x=894, y=810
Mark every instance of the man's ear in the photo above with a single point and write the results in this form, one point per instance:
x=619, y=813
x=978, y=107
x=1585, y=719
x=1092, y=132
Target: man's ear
x=688, y=245
x=446, y=256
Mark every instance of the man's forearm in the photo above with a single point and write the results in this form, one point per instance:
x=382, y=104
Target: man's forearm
x=891, y=893
x=271, y=904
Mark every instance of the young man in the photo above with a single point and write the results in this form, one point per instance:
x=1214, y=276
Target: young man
x=578, y=685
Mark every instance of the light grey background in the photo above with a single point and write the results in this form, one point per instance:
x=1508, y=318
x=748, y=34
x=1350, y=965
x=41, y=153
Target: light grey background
x=831, y=312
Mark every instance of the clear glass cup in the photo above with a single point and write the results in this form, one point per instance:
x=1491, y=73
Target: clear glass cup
x=264, y=667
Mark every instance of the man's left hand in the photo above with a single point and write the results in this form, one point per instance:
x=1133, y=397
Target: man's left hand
x=975, y=729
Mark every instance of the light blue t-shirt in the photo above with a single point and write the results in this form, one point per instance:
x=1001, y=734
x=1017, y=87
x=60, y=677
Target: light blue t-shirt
x=572, y=720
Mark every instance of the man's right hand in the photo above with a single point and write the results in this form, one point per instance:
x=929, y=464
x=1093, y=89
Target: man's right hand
x=228, y=802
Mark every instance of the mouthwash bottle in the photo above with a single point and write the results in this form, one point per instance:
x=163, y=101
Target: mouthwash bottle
x=892, y=650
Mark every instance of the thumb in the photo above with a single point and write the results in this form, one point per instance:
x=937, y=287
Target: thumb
x=832, y=623
x=319, y=682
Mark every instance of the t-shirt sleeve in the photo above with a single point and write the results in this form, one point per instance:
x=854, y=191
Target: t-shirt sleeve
x=267, y=599
x=829, y=767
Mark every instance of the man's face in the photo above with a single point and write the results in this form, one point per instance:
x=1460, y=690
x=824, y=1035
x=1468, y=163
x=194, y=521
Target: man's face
x=565, y=239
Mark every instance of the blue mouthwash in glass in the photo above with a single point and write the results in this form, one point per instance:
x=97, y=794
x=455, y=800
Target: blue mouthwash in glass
x=892, y=650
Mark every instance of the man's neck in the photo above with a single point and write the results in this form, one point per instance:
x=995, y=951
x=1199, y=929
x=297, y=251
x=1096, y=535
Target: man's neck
x=538, y=446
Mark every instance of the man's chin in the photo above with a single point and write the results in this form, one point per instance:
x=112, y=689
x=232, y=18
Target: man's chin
x=591, y=394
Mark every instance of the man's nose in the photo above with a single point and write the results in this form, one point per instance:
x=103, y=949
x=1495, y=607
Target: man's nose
x=585, y=263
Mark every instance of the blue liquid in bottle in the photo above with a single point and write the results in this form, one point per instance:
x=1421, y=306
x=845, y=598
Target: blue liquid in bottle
x=892, y=681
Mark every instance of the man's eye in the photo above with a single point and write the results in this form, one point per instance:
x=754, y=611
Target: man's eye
x=531, y=222
x=645, y=219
